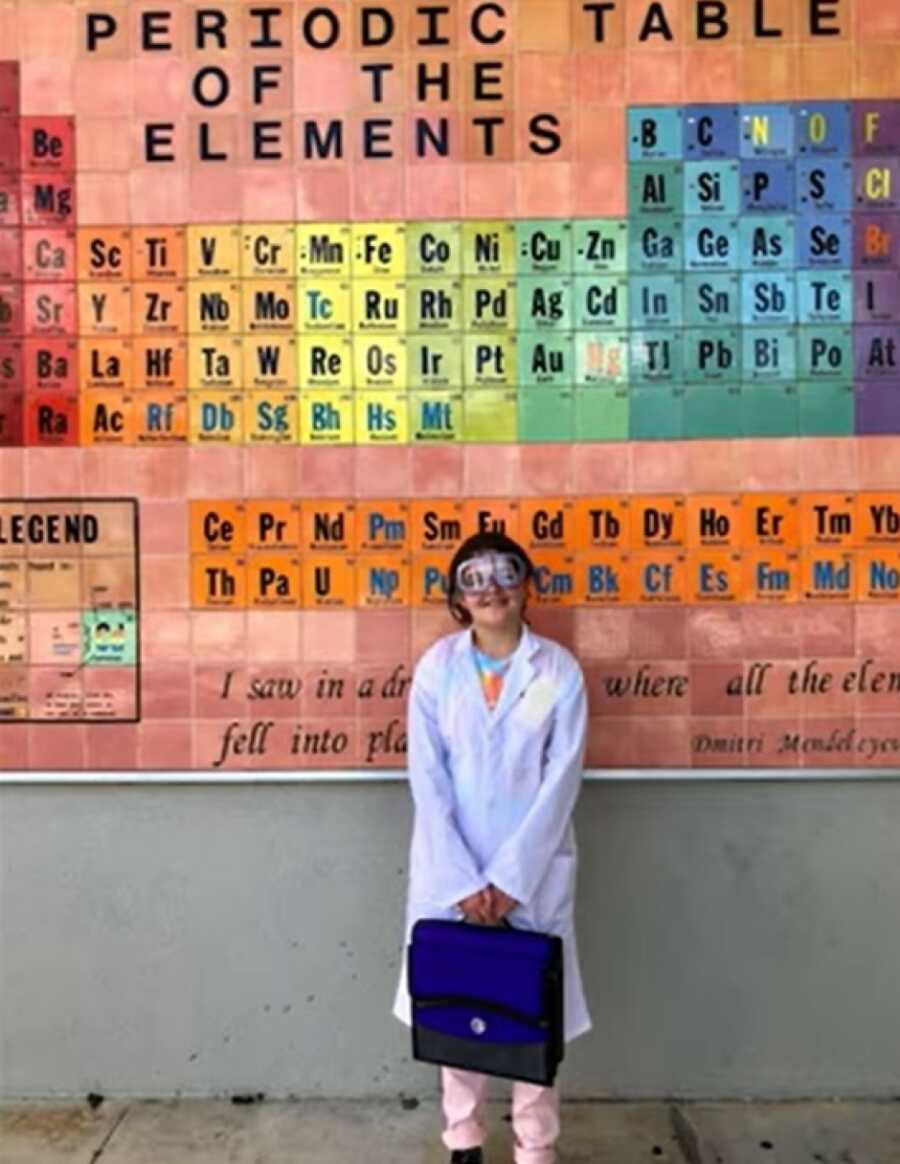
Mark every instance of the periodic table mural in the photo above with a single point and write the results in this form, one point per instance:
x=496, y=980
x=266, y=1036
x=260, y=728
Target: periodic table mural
x=295, y=296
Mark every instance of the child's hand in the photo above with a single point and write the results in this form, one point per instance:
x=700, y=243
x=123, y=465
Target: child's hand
x=477, y=906
x=501, y=903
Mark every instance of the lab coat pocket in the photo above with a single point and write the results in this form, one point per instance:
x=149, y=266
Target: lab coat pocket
x=555, y=896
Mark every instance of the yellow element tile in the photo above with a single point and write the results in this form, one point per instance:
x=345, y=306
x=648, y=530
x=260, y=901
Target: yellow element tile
x=104, y=309
x=878, y=519
x=104, y=253
x=489, y=247
x=714, y=519
x=323, y=249
x=379, y=248
x=714, y=575
x=268, y=249
x=490, y=416
x=213, y=252
x=553, y=583
x=379, y=306
x=382, y=418
x=602, y=522
x=325, y=361
x=272, y=418
x=489, y=360
x=214, y=305
x=326, y=418
x=771, y=519
x=273, y=525
x=380, y=362
x=324, y=305
x=434, y=304
x=218, y=525
x=383, y=526
x=215, y=361
x=218, y=580
x=658, y=520
x=382, y=580
x=771, y=574
x=436, y=525
x=658, y=577
x=158, y=307
x=828, y=573
x=329, y=581
x=434, y=248
x=489, y=303
x=878, y=574
x=269, y=305
x=328, y=525
x=827, y=519
x=270, y=361
x=216, y=418
x=273, y=580
x=430, y=578
x=602, y=577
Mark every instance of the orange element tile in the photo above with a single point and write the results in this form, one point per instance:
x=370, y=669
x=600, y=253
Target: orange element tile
x=657, y=577
x=160, y=418
x=218, y=580
x=159, y=362
x=430, y=578
x=603, y=578
x=658, y=520
x=383, y=526
x=547, y=523
x=714, y=519
x=158, y=307
x=218, y=525
x=828, y=574
x=328, y=525
x=827, y=519
x=107, y=418
x=382, y=580
x=878, y=574
x=104, y=309
x=877, y=519
x=105, y=363
x=771, y=519
x=436, y=525
x=554, y=580
x=714, y=576
x=329, y=581
x=273, y=525
x=158, y=252
x=602, y=522
x=494, y=514
x=273, y=580
x=104, y=253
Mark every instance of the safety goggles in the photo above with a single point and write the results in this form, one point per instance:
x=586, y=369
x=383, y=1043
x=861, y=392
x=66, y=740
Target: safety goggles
x=475, y=575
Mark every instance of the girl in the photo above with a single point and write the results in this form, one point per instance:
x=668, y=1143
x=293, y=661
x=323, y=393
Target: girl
x=497, y=719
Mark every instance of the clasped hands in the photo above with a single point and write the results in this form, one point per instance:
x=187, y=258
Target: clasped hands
x=488, y=906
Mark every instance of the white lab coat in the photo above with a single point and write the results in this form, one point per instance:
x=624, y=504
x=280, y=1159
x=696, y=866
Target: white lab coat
x=494, y=793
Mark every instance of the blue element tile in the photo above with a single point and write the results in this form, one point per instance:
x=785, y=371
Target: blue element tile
x=824, y=240
x=769, y=353
x=712, y=187
x=767, y=131
x=768, y=297
x=822, y=128
x=711, y=300
x=711, y=244
x=712, y=354
x=824, y=296
x=824, y=184
x=655, y=244
x=712, y=131
x=767, y=186
x=655, y=133
x=766, y=242
x=825, y=353
x=655, y=300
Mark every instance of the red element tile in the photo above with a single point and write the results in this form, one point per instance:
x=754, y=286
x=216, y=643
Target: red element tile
x=166, y=690
x=10, y=199
x=715, y=633
x=57, y=747
x=11, y=241
x=12, y=420
x=50, y=364
x=716, y=742
x=12, y=310
x=47, y=144
x=51, y=419
x=384, y=472
x=164, y=746
x=323, y=195
x=219, y=690
x=112, y=747
x=48, y=201
x=272, y=472
x=659, y=633
x=662, y=742
x=329, y=636
x=437, y=471
x=9, y=144
x=434, y=192
x=770, y=632
x=49, y=253
x=489, y=189
x=603, y=633
x=50, y=309
x=328, y=472
x=9, y=70
x=709, y=689
x=492, y=470
x=165, y=635
x=383, y=635
x=545, y=470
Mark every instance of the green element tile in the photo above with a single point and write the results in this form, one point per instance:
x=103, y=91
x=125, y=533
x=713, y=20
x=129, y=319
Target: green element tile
x=435, y=361
x=712, y=354
x=769, y=410
x=657, y=356
x=108, y=638
x=712, y=187
x=824, y=353
x=656, y=413
x=825, y=408
x=602, y=358
x=769, y=353
x=490, y=416
x=546, y=414
x=434, y=304
x=655, y=188
x=655, y=300
x=435, y=417
x=544, y=246
x=489, y=247
x=434, y=248
x=712, y=410
x=489, y=303
x=601, y=414
x=544, y=302
x=655, y=243
x=712, y=300
x=600, y=246
x=546, y=359
x=601, y=301
x=489, y=360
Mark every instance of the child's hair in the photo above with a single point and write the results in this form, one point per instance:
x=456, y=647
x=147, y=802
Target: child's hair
x=481, y=543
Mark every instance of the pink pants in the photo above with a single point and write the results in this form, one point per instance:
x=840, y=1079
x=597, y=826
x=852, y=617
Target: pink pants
x=535, y=1116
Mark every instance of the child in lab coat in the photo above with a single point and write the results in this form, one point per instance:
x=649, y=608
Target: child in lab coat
x=497, y=723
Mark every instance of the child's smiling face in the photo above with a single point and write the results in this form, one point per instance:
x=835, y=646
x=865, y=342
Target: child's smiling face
x=496, y=608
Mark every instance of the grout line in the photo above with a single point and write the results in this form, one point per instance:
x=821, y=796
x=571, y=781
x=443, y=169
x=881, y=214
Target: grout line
x=98, y=1152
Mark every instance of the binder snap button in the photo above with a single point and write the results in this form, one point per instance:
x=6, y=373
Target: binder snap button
x=478, y=1025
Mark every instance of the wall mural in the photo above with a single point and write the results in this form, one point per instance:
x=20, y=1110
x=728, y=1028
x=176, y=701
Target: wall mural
x=293, y=297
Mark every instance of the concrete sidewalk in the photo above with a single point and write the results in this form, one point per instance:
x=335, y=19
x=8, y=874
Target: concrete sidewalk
x=405, y=1130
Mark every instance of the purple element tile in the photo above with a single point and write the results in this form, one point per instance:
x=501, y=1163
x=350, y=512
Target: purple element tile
x=876, y=352
x=876, y=296
x=876, y=183
x=877, y=408
x=876, y=128
x=876, y=239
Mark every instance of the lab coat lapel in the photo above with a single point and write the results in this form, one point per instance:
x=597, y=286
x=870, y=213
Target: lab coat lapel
x=521, y=672
x=467, y=674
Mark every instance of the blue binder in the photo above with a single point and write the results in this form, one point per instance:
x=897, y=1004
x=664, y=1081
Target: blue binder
x=487, y=999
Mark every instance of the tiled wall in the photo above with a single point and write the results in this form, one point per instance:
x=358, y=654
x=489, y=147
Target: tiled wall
x=282, y=319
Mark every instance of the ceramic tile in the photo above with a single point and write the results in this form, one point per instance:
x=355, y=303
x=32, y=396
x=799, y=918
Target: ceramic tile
x=165, y=746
